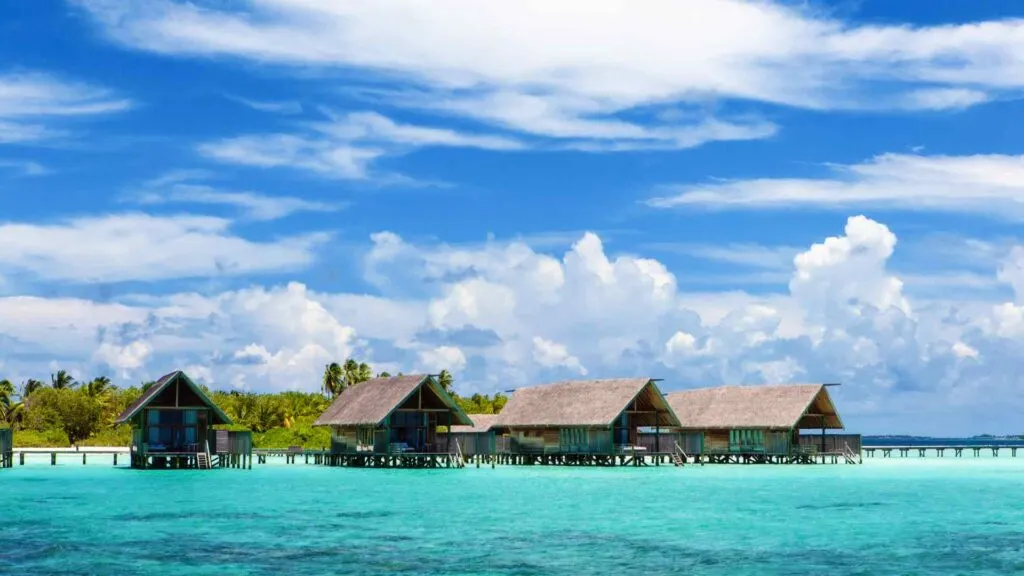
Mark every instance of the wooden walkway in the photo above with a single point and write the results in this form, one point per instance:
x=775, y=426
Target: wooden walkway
x=85, y=455
x=954, y=450
x=124, y=455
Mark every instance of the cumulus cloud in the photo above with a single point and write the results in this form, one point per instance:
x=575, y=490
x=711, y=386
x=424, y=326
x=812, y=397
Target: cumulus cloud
x=845, y=317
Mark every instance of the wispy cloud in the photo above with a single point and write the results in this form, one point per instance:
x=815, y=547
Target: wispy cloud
x=344, y=146
x=992, y=185
x=276, y=107
x=25, y=167
x=320, y=156
x=539, y=79
x=31, y=102
x=748, y=255
x=142, y=247
x=182, y=187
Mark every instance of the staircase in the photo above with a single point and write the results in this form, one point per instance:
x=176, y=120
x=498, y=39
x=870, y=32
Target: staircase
x=679, y=457
x=460, y=462
x=850, y=455
x=203, y=459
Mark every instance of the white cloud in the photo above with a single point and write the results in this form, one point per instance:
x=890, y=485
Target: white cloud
x=25, y=167
x=276, y=107
x=124, y=358
x=845, y=318
x=569, y=70
x=30, y=101
x=343, y=147
x=552, y=354
x=137, y=246
x=182, y=187
x=321, y=156
x=748, y=255
x=944, y=98
x=442, y=358
x=982, y=184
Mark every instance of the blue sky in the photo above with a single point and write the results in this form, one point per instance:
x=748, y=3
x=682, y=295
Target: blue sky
x=707, y=192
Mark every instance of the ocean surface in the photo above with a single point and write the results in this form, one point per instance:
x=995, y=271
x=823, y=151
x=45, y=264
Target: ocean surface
x=898, y=516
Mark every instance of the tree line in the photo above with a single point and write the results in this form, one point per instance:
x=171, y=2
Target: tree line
x=65, y=412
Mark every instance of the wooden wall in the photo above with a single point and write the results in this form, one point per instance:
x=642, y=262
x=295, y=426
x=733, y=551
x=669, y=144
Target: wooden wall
x=6, y=447
x=560, y=441
x=716, y=441
x=471, y=443
x=231, y=442
x=833, y=442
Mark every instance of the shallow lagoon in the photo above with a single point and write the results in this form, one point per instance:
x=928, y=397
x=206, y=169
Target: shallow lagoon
x=913, y=516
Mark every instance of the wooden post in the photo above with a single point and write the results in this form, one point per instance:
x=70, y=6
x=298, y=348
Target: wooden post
x=657, y=432
x=83, y=458
x=21, y=458
x=115, y=458
x=53, y=458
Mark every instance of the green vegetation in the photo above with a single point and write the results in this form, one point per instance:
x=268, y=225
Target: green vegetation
x=65, y=412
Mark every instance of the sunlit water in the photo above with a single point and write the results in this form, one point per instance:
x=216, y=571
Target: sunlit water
x=898, y=516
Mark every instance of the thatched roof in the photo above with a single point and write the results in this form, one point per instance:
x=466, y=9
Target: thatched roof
x=369, y=403
x=481, y=423
x=583, y=403
x=165, y=381
x=770, y=407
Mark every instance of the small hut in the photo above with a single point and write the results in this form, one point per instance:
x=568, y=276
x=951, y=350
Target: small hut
x=6, y=447
x=171, y=426
x=584, y=421
x=477, y=439
x=392, y=422
x=755, y=423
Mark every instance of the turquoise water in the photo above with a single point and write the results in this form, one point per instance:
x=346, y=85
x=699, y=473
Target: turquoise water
x=915, y=516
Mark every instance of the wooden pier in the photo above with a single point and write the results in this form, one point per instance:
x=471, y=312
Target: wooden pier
x=954, y=450
x=405, y=460
x=84, y=455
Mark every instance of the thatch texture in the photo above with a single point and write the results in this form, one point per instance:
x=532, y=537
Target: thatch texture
x=481, y=423
x=369, y=403
x=582, y=403
x=179, y=377
x=778, y=407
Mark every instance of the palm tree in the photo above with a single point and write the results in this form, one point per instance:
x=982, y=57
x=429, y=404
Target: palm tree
x=61, y=380
x=10, y=411
x=98, y=386
x=30, y=386
x=356, y=372
x=333, y=380
x=446, y=380
x=6, y=390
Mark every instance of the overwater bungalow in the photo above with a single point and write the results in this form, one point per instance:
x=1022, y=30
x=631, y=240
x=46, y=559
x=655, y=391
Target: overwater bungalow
x=6, y=447
x=392, y=423
x=584, y=422
x=172, y=428
x=761, y=424
x=477, y=439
